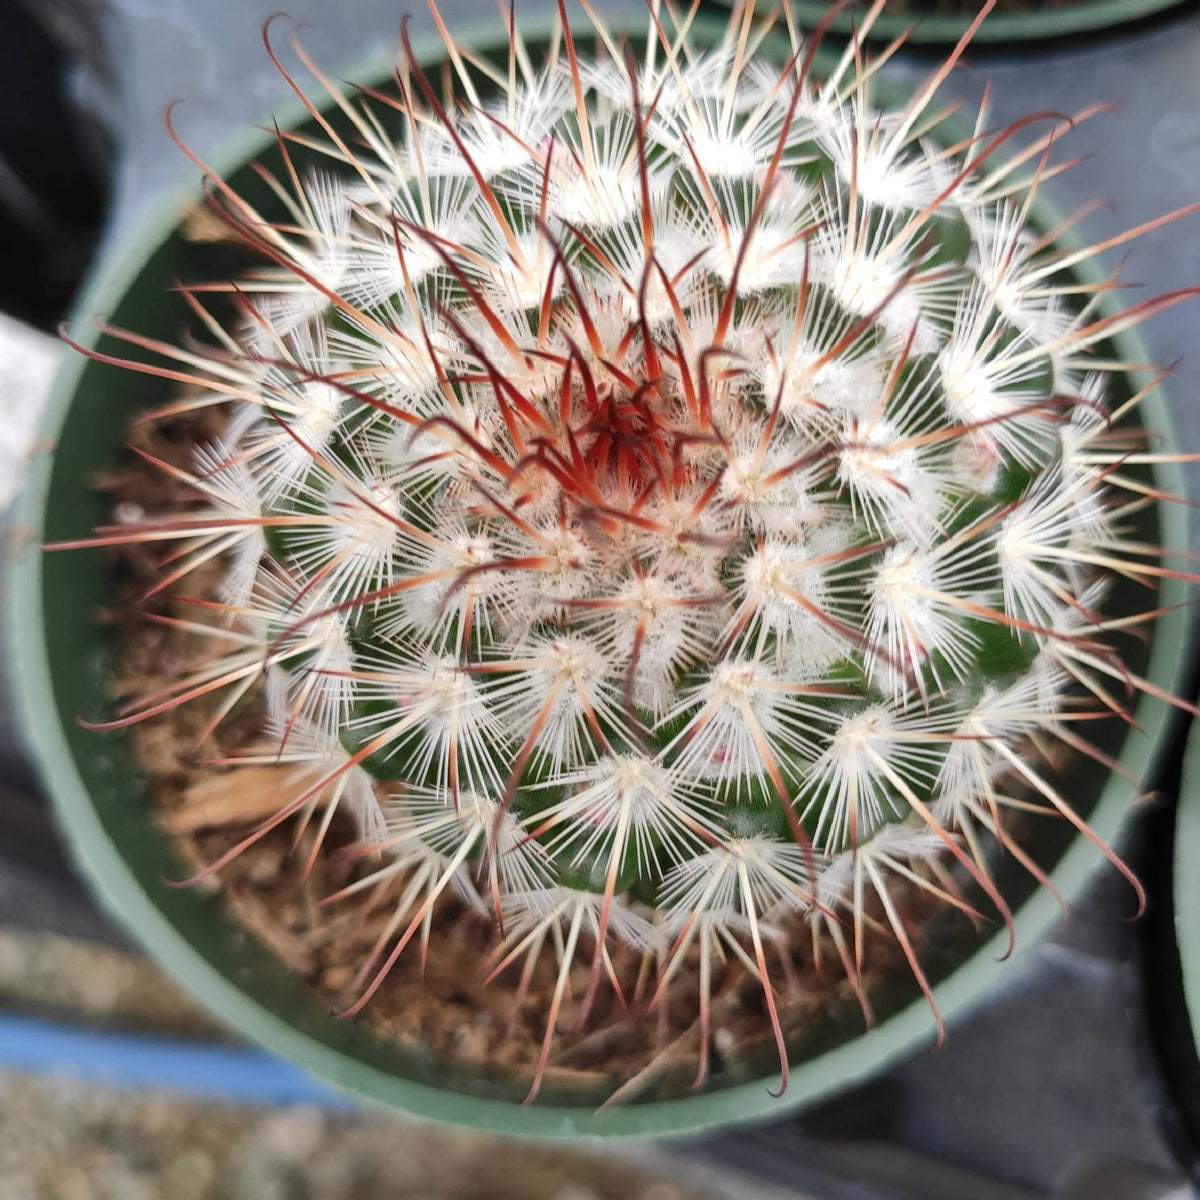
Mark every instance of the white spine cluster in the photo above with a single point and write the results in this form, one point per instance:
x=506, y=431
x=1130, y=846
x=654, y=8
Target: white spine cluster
x=678, y=480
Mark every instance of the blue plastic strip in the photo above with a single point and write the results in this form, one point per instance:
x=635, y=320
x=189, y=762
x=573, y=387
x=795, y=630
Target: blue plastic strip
x=124, y=1060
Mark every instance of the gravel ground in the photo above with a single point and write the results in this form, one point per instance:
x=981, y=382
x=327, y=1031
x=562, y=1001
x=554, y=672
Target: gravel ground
x=93, y=984
x=64, y=1140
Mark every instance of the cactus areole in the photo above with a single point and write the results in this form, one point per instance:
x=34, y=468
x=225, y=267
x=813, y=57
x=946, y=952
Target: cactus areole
x=669, y=503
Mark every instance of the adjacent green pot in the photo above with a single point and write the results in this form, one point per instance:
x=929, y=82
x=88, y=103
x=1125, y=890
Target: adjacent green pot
x=946, y=29
x=63, y=660
x=1179, y=974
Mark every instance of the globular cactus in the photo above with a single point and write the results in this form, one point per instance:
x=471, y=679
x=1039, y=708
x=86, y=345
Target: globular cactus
x=685, y=491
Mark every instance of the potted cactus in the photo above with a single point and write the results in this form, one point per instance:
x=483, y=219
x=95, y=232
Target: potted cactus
x=659, y=531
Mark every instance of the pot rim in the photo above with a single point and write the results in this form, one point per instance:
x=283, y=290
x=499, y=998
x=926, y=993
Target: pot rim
x=1090, y=16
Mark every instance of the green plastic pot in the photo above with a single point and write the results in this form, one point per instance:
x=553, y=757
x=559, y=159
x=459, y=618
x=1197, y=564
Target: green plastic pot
x=1178, y=978
x=946, y=29
x=63, y=659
